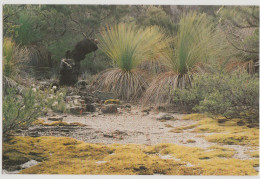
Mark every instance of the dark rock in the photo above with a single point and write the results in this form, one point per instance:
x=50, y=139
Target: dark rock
x=222, y=120
x=241, y=123
x=55, y=118
x=165, y=117
x=90, y=108
x=75, y=109
x=128, y=106
x=81, y=84
x=110, y=108
x=101, y=95
x=88, y=99
x=147, y=110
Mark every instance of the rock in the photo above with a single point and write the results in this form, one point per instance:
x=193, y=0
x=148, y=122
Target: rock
x=90, y=108
x=55, y=118
x=29, y=164
x=147, y=110
x=164, y=116
x=75, y=109
x=222, y=120
x=165, y=108
x=101, y=95
x=110, y=108
x=112, y=101
x=81, y=84
x=88, y=99
x=128, y=106
x=50, y=113
x=73, y=97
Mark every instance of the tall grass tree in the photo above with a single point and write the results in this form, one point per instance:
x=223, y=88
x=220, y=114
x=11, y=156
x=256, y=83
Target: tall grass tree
x=127, y=46
x=191, y=47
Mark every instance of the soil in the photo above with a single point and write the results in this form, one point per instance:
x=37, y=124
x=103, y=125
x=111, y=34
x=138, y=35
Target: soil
x=129, y=126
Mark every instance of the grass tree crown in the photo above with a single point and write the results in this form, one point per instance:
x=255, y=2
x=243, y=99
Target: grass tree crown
x=127, y=45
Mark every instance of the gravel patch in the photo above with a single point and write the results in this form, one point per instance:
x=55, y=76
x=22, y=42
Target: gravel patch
x=128, y=127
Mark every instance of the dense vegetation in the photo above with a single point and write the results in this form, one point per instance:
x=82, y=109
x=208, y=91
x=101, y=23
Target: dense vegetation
x=155, y=49
x=201, y=59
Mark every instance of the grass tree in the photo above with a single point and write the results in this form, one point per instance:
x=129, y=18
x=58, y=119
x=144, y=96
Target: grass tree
x=189, y=48
x=127, y=46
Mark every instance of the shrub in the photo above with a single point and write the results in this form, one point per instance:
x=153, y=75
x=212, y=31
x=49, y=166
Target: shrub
x=232, y=95
x=21, y=111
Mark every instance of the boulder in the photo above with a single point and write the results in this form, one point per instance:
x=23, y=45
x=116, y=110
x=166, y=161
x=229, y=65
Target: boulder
x=75, y=109
x=101, y=95
x=165, y=116
x=90, y=108
x=110, y=108
x=55, y=118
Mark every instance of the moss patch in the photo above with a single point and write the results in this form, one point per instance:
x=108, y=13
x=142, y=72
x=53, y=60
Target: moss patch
x=56, y=123
x=61, y=155
x=229, y=132
x=254, y=154
x=182, y=128
x=168, y=125
x=112, y=101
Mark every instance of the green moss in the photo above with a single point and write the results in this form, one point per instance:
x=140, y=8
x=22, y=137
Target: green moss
x=112, y=101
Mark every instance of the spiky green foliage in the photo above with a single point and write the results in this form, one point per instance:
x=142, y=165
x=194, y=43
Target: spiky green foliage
x=127, y=46
x=191, y=46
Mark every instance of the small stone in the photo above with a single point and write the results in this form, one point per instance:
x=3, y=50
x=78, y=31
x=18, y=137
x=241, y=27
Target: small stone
x=29, y=164
x=165, y=117
x=55, y=118
x=75, y=109
x=128, y=106
x=101, y=95
x=50, y=113
x=110, y=108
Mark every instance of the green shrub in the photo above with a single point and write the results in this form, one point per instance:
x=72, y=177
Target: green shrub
x=21, y=111
x=231, y=95
x=8, y=49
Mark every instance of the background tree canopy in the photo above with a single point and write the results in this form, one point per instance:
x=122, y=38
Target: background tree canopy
x=51, y=30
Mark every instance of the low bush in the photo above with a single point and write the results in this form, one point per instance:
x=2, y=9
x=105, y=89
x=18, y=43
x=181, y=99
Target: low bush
x=231, y=95
x=20, y=111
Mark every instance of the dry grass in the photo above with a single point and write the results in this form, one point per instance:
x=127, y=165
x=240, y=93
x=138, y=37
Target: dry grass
x=126, y=85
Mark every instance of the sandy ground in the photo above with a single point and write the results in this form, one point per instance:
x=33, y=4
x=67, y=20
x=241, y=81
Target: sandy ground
x=133, y=126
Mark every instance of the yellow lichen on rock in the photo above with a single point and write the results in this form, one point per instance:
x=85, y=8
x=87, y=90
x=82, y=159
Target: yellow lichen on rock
x=112, y=101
